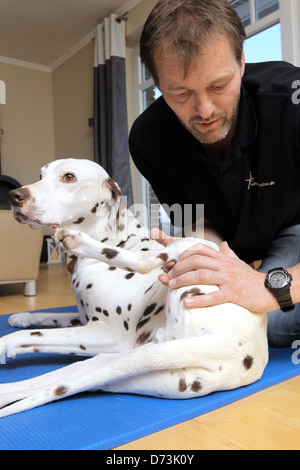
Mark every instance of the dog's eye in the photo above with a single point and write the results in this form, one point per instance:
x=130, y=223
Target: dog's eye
x=69, y=178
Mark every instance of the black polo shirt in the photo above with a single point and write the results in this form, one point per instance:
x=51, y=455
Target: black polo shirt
x=254, y=191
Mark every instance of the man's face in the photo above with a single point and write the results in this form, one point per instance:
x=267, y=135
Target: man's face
x=206, y=100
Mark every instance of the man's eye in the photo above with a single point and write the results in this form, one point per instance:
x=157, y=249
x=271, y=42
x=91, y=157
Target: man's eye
x=69, y=178
x=183, y=95
x=219, y=87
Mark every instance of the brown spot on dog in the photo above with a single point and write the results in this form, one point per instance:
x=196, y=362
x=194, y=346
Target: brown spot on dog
x=94, y=210
x=75, y=322
x=196, y=386
x=129, y=307
x=159, y=310
x=126, y=326
x=119, y=310
x=142, y=323
x=105, y=312
x=149, y=309
x=36, y=333
x=182, y=386
x=129, y=276
x=191, y=293
x=109, y=253
x=98, y=309
x=83, y=348
x=79, y=221
x=95, y=318
x=61, y=390
x=248, y=362
x=143, y=337
x=149, y=288
x=89, y=286
x=164, y=257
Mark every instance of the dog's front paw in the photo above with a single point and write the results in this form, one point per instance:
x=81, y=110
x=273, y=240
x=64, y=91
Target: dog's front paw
x=20, y=320
x=69, y=240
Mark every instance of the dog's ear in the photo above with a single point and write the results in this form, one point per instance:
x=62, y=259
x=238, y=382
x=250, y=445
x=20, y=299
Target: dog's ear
x=115, y=189
x=112, y=196
x=111, y=191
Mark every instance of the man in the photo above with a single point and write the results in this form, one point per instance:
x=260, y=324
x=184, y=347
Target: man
x=227, y=136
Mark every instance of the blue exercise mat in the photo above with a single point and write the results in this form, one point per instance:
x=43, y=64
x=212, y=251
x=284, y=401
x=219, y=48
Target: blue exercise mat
x=104, y=421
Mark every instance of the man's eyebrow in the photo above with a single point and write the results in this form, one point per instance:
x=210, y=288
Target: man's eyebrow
x=176, y=88
x=224, y=78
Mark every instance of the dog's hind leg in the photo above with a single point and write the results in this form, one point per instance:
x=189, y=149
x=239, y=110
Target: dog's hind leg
x=42, y=319
x=88, y=340
x=13, y=392
x=215, y=357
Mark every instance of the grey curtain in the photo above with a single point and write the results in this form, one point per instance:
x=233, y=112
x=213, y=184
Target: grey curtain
x=110, y=109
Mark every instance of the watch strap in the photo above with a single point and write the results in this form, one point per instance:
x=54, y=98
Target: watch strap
x=284, y=299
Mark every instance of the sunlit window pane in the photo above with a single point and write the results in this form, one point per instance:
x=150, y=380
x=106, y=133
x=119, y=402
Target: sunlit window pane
x=264, y=46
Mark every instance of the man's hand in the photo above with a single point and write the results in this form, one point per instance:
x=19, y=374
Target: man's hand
x=238, y=282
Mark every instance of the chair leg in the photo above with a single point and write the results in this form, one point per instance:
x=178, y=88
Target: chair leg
x=30, y=288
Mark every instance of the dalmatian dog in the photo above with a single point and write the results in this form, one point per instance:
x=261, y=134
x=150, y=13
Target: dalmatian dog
x=137, y=334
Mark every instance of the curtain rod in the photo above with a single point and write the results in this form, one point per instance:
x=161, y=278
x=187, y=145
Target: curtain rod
x=123, y=17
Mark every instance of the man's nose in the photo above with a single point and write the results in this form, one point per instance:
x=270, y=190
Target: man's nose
x=204, y=105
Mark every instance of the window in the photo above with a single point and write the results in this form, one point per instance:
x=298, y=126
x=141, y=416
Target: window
x=250, y=11
x=146, y=94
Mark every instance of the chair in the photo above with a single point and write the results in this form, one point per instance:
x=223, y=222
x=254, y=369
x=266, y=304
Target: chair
x=20, y=251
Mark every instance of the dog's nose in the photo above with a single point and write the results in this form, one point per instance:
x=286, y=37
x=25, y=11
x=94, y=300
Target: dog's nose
x=18, y=196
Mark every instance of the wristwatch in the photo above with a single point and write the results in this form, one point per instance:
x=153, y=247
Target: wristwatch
x=279, y=281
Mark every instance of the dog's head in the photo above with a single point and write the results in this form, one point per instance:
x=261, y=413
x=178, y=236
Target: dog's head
x=69, y=192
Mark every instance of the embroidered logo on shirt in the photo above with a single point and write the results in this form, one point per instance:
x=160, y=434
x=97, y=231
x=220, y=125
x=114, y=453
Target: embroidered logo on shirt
x=252, y=183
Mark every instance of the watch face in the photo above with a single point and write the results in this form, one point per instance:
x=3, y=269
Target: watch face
x=278, y=280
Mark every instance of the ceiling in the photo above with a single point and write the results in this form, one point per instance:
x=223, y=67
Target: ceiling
x=43, y=32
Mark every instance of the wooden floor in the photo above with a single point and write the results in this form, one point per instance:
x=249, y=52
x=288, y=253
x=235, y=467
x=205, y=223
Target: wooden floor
x=268, y=420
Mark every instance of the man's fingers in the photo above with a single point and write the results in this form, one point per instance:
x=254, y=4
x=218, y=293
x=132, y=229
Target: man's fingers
x=202, y=250
x=207, y=300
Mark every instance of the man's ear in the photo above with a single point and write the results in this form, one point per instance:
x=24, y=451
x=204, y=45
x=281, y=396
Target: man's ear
x=243, y=63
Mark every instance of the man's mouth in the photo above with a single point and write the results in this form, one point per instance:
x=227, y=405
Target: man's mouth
x=207, y=125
